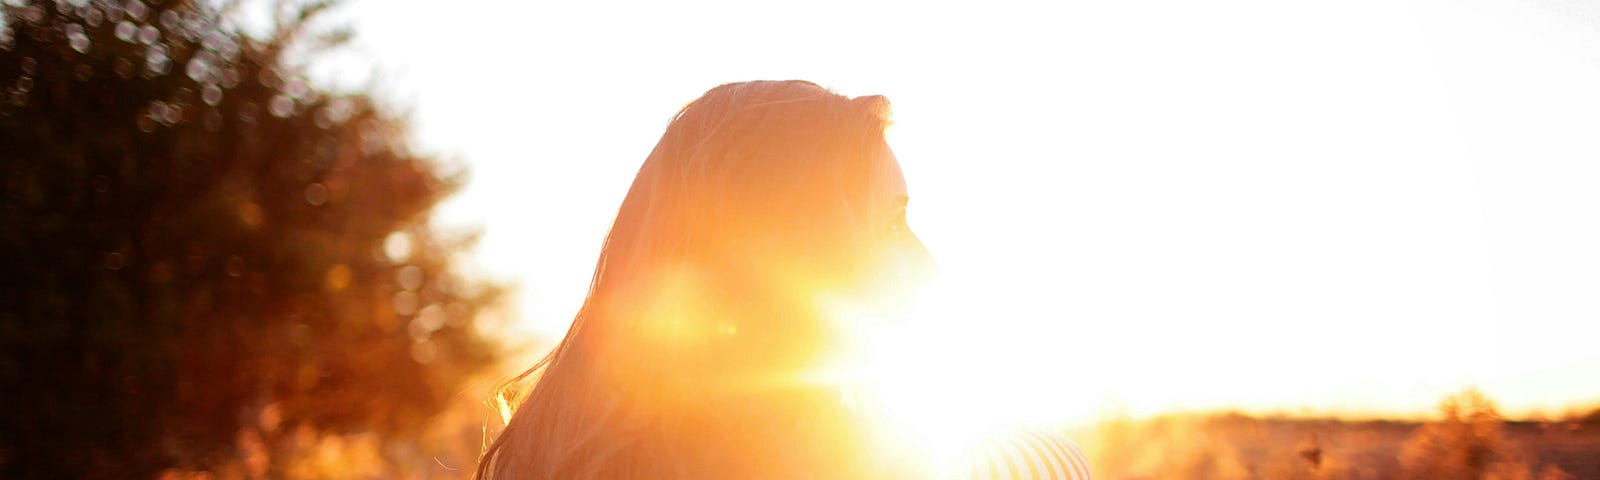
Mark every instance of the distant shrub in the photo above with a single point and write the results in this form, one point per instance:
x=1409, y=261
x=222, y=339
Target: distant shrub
x=1467, y=444
x=1470, y=441
x=1593, y=418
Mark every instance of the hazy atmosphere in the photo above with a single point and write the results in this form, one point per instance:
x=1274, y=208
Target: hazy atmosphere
x=1352, y=208
x=499, y=240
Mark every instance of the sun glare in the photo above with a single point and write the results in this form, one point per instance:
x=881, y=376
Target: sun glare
x=1221, y=206
x=943, y=376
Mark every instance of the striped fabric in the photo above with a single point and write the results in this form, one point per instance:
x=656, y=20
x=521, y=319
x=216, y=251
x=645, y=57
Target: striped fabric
x=1029, y=455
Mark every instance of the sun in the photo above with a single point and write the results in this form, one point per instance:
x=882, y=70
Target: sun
x=945, y=375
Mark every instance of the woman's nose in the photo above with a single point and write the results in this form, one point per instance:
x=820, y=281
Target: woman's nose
x=922, y=266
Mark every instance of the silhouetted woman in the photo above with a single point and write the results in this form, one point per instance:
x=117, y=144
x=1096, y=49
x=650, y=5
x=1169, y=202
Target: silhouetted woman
x=703, y=350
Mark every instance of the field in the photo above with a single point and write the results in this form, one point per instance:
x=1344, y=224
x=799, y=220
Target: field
x=1471, y=444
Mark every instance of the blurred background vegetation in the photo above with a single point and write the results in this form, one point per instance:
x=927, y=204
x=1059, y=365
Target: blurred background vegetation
x=1467, y=439
x=215, y=267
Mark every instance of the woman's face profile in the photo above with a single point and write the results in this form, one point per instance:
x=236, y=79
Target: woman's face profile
x=898, y=261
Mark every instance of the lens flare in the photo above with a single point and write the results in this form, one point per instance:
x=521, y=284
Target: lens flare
x=946, y=372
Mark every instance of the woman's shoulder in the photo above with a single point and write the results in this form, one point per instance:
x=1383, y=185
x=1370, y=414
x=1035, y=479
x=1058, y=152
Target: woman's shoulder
x=1028, y=454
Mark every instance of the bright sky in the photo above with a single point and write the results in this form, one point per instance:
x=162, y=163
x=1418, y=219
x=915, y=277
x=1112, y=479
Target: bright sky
x=1137, y=206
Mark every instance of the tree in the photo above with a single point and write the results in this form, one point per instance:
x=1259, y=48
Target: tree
x=198, y=244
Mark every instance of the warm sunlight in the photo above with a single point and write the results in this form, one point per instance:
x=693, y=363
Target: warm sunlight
x=1136, y=207
x=944, y=382
x=836, y=239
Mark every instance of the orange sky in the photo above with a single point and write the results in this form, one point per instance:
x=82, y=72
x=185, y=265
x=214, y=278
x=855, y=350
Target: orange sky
x=1137, y=206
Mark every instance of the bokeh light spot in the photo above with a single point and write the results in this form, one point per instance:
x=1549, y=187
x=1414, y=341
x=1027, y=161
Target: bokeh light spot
x=281, y=106
x=337, y=278
x=235, y=266
x=397, y=247
x=126, y=30
x=212, y=95
x=428, y=320
x=424, y=352
x=409, y=277
x=316, y=194
x=250, y=214
x=77, y=39
x=405, y=303
x=115, y=261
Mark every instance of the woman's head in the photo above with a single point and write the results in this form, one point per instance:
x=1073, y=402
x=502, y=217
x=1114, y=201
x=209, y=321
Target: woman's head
x=765, y=207
x=784, y=184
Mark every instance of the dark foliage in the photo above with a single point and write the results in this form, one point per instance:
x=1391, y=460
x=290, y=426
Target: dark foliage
x=193, y=245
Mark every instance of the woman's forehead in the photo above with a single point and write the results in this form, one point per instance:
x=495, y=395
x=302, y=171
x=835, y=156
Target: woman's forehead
x=890, y=183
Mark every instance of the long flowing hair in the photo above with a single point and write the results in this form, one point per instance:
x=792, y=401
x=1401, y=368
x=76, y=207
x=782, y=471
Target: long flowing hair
x=695, y=353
